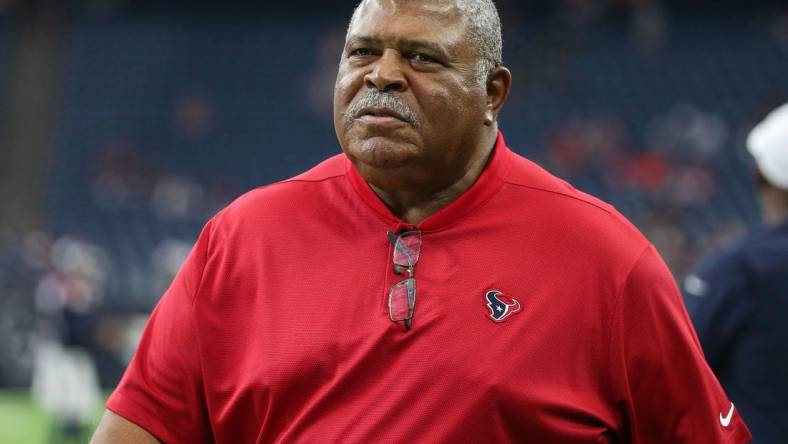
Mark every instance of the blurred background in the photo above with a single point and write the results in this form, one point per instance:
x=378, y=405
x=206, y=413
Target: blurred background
x=124, y=125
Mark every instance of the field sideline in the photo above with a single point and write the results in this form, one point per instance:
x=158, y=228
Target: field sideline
x=21, y=422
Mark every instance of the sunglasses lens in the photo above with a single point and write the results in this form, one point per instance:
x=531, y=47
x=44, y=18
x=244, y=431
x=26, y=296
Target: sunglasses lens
x=402, y=299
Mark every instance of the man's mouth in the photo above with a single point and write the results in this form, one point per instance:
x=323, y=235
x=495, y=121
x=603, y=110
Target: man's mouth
x=380, y=114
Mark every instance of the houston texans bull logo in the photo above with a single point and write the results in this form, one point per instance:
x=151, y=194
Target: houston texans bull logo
x=501, y=307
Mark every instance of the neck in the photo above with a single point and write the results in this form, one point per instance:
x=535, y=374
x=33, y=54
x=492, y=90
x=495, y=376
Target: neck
x=775, y=206
x=413, y=205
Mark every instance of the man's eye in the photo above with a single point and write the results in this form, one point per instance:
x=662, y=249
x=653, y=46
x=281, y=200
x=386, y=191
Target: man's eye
x=422, y=58
x=360, y=52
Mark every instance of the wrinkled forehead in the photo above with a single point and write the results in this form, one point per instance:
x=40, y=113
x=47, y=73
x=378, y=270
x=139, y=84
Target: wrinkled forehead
x=437, y=7
x=445, y=14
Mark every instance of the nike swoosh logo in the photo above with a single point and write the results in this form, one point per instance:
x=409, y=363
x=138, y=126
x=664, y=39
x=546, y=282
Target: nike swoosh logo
x=726, y=420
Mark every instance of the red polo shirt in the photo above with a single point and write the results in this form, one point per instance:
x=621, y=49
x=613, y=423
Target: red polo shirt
x=277, y=327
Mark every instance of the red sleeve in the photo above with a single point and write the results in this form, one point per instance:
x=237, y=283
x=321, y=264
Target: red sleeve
x=162, y=388
x=662, y=385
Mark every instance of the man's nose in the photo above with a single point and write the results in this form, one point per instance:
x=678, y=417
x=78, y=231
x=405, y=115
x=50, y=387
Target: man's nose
x=387, y=74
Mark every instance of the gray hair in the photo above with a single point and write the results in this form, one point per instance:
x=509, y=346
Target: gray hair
x=484, y=33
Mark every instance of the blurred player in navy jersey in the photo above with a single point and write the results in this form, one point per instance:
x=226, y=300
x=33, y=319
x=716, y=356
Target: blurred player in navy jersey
x=738, y=299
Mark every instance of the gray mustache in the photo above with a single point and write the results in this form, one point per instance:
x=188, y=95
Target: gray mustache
x=374, y=97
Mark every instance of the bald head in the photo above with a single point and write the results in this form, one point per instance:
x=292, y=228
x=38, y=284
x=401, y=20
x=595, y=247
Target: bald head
x=483, y=28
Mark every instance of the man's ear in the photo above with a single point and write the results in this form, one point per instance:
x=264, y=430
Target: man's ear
x=499, y=83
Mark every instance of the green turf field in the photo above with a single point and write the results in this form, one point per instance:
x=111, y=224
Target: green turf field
x=22, y=423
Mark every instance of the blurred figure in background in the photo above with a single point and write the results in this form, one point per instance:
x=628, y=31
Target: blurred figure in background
x=738, y=299
x=65, y=383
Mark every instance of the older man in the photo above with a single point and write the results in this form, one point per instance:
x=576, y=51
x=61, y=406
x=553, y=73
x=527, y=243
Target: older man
x=429, y=285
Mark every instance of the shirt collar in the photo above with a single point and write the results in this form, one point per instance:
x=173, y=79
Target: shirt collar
x=483, y=189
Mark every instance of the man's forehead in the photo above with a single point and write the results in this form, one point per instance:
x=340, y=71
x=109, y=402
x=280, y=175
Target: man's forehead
x=429, y=6
x=419, y=17
x=443, y=9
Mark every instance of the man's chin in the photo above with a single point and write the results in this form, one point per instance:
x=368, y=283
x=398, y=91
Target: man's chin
x=382, y=152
